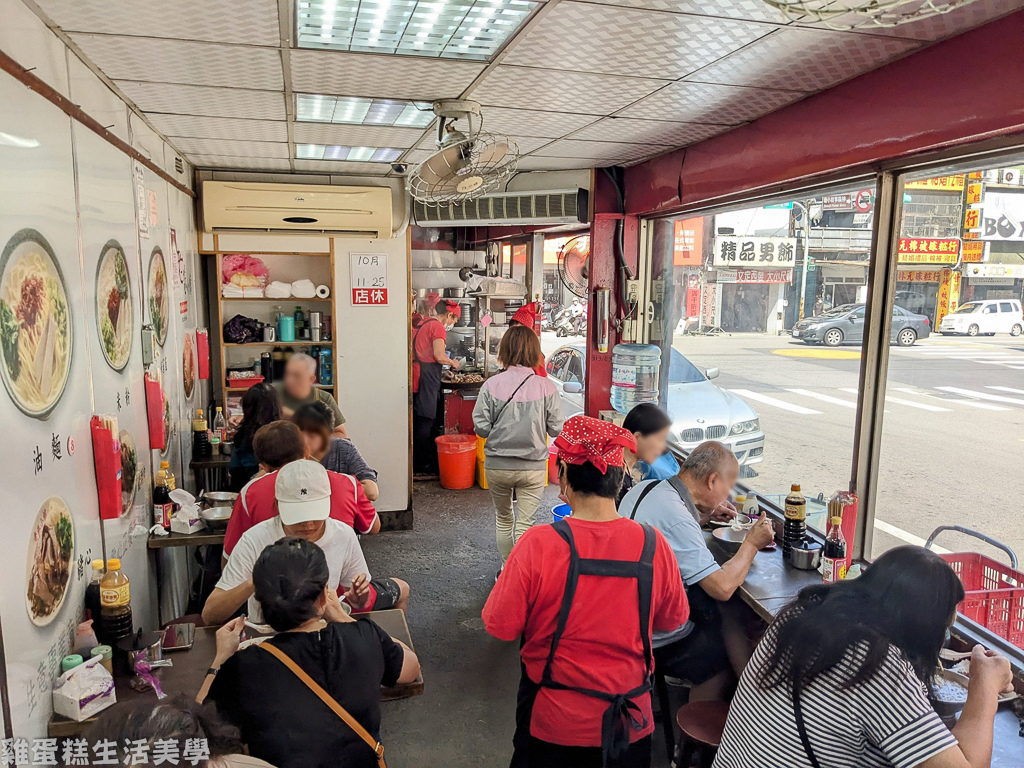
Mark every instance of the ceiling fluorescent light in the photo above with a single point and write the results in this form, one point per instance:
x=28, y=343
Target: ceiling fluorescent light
x=356, y=111
x=351, y=154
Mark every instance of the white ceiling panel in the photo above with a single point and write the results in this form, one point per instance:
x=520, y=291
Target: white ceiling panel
x=386, y=77
x=252, y=22
x=538, y=163
x=532, y=122
x=701, y=102
x=355, y=135
x=173, y=98
x=183, y=61
x=608, y=151
x=239, y=161
x=232, y=148
x=219, y=127
x=630, y=131
x=804, y=59
x=752, y=10
x=940, y=26
x=623, y=41
x=341, y=166
x=553, y=89
x=526, y=144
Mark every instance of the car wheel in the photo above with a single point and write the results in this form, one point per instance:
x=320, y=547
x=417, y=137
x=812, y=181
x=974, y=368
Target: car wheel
x=1016, y=330
x=906, y=337
x=833, y=337
x=973, y=330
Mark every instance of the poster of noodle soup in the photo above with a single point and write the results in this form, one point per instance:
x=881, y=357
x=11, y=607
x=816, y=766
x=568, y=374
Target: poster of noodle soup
x=114, y=318
x=35, y=334
x=51, y=555
x=188, y=365
x=159, y=299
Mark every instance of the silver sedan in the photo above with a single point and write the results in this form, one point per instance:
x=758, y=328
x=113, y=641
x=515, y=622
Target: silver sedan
x=699, y=409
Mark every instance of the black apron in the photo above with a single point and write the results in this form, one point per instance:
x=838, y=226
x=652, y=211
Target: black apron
x=424, y=401
x=622, y=713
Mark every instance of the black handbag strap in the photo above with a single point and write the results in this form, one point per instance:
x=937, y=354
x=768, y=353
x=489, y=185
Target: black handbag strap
x=801, y=728
x=643, y=495
x=511, y=398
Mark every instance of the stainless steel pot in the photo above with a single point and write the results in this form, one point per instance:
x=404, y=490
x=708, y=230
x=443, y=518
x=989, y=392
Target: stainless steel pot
x=454, y=293
x=805, y=555
x=142, y=646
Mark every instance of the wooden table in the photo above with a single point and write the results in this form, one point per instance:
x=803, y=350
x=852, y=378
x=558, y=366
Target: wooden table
x=189, y=670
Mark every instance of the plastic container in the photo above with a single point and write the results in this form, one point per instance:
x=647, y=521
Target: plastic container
x=456, y=458
x=561, y=511
x=994, y=594
x=286, y=328
x=106, y=654
x=635, y=371
x=116, y=602
x=70, y=662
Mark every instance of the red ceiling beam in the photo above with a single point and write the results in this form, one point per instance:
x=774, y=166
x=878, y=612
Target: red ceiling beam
x=959, y=91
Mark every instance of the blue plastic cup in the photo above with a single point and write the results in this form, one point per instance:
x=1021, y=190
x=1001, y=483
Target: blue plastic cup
x=561, y=511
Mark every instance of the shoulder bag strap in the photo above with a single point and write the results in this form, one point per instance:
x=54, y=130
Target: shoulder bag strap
x=326, y=698
x=643, y=495
x=801, y=728
x=505, y=404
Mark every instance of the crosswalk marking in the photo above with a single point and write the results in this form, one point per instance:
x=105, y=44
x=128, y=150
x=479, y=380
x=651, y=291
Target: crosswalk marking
x=1006, y=389
x=983, y=395
x=908, y=403
x=773, y=401
x=825, y=398
x=971, y=403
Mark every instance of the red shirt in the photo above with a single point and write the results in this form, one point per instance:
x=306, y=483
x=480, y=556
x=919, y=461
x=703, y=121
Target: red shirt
x=423, y=339
x=601, y=646
x=257, y=503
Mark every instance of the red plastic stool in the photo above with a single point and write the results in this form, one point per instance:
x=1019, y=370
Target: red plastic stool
x=702, y=723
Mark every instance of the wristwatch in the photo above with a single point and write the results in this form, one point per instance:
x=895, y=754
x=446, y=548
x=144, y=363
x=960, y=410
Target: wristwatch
x=212, y=671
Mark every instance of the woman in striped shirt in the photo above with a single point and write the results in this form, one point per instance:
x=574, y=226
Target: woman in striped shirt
x=839, y=678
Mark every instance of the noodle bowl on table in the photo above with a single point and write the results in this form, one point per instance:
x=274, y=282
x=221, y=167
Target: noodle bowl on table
x=35, y=331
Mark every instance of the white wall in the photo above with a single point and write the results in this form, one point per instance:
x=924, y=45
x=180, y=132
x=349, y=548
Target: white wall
x=76, y=191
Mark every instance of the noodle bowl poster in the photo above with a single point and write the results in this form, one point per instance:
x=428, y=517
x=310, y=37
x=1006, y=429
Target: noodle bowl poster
x=114, y=318
x=36, y=335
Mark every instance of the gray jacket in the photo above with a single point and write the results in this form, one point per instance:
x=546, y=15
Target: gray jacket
x=517, y=431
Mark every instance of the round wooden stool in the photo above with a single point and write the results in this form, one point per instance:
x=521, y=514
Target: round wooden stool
x=702, y=723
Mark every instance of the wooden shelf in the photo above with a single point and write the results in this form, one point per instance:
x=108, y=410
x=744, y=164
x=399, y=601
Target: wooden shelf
x=289, y=300
x=295, y=343
x=242, y=389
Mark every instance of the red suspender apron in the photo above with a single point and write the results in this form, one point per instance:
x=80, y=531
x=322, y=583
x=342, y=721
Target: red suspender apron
x=622, y=714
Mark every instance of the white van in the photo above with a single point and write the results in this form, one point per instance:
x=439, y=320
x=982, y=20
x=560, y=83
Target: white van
x=987, y=317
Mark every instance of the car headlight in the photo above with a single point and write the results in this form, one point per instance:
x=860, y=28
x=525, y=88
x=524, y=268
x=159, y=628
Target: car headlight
x=752, y=426
x=737, y=428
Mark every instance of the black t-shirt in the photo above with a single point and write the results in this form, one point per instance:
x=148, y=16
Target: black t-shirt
x=283, y=721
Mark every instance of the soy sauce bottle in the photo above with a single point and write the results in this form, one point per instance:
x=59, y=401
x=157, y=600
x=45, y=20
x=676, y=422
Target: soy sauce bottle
x=795, y=527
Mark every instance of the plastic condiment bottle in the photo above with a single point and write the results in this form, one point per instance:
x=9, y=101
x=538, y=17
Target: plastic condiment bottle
x=116, y=603
x=172, y=482
x=750, y=507
x=220, y=425
x=163, y=507
x=795, y=527
x=833, y=556
x=200, y=437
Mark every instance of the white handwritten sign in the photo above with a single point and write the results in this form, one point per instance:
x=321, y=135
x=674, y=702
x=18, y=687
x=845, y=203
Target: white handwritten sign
x=369, y=279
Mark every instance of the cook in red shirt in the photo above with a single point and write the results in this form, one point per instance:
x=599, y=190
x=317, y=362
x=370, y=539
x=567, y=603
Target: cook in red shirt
x=280, y=443
x=594, y=658
x=527, y=315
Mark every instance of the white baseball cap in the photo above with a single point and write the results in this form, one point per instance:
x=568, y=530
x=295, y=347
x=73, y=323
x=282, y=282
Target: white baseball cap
x=303, y=492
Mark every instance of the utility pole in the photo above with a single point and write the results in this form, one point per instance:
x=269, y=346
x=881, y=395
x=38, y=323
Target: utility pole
x=806, y=208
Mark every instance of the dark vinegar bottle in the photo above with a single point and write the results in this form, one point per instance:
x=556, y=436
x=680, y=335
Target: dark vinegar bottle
x=795, y=527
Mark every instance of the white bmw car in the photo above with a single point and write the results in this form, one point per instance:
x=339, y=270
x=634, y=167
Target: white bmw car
x=699, y=409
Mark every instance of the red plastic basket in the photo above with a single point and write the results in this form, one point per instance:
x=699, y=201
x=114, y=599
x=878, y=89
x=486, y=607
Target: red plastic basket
x=995, y=594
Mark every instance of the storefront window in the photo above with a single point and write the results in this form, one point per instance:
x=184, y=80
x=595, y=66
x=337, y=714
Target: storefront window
x=760, y=315
x=953, y=424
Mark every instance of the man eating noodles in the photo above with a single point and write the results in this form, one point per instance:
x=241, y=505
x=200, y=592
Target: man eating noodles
x=304, y=508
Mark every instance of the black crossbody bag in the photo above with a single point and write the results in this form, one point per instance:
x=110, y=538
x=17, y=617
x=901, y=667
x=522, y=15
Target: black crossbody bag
x=801, y=728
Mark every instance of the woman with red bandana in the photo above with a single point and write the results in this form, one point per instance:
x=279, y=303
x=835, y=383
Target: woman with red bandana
x=428, y=355
x=583, y=596
x=527, y=315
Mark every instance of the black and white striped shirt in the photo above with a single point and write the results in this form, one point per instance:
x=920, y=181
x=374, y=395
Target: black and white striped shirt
x=887, y=721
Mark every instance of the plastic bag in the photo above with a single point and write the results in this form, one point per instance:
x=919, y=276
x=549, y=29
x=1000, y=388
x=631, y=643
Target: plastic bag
x=243, y=330
x=243, y=270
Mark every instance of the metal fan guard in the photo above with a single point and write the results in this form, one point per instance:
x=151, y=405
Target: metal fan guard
x=576, y=286
x=856, y=14
x=492, y=173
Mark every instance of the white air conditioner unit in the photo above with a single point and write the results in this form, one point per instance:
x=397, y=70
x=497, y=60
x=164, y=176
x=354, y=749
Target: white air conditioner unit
x=561, y=206
x=236, y=206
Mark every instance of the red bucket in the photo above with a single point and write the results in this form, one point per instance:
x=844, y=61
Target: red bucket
x=456, y=458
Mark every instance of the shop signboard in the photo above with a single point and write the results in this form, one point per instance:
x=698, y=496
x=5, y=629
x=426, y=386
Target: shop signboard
x=693, y=295
x=1005, y=282
x=1015, y=271
x=974, y=192
x=919, y=276
x=760, y=252
x=1002, y=216
x=687, y=240
x=862, y=201
x=972, y=251
x=760, y=276
x=949, y=294
x=929, y=250
x=369, y=279
x=947, y=183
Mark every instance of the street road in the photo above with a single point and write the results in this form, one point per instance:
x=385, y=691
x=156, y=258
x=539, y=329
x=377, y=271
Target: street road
x=953, y=428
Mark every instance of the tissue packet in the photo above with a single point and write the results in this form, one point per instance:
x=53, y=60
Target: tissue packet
x=186, y=518
x=83, y=691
